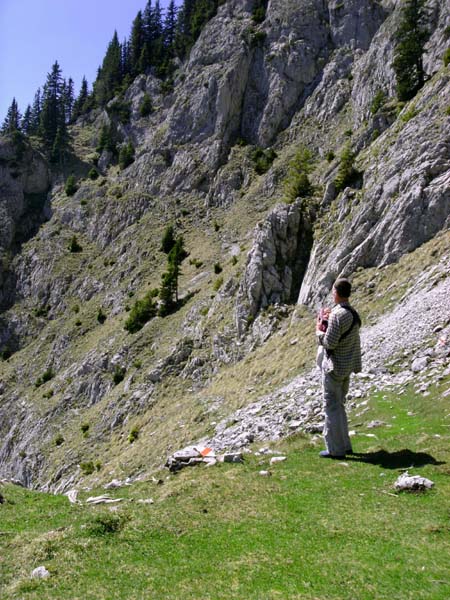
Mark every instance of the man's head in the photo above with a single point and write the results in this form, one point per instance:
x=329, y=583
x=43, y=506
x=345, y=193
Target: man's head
x=342, y=289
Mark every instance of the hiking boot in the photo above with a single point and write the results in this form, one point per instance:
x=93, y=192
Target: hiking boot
x=326, y=454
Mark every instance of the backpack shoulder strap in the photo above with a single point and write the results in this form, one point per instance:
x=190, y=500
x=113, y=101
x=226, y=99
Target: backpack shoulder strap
x=356, y=321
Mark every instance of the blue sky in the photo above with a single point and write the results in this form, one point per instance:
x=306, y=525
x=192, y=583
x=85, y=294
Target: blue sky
x=35, y=33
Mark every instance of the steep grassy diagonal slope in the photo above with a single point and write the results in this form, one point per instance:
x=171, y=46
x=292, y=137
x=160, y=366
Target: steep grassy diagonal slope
x=313, y=529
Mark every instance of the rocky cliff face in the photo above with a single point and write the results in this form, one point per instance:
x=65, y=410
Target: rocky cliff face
x=25, y=181
x=305, y=77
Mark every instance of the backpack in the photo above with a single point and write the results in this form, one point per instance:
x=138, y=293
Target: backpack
x=356, y=321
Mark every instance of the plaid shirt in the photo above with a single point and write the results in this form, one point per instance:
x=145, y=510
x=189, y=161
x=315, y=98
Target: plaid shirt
x=345, y=357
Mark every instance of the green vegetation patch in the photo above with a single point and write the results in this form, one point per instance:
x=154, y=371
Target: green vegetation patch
x=143, y=310
x=297, y=183
x=262, y=159
x=313, y=529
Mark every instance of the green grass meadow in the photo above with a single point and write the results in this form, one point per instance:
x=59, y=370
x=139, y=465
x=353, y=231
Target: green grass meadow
x=314, y=529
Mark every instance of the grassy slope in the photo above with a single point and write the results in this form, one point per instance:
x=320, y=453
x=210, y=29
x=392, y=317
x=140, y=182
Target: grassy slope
x=315, y=529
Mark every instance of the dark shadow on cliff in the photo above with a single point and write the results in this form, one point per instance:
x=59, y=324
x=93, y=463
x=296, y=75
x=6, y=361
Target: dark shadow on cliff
x=402, y=459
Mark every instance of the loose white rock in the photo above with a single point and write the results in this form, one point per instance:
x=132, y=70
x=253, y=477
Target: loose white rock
x=72, y=495
x=407, y=482
x=375, y=423
x=115, y=483
x=40, y=573
x=419, y=364
x=103, y=500
x=233, y=457
x=277, y=459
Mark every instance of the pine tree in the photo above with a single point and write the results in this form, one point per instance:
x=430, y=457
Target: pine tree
x=25, y=124
x=153, y=28
x=71, y=186
x=52, y=126
x=169, y=29
x=157, y=49
x=144, y=59
x=297, y=183
x=79, y=105
x=168, y=239
x=107, y=139
x=68, y=98
x=61, y=143
x=137, y=43
x=11, y=123
x=141, y=313
x=126, y=156
x=109, y=77
x=411, y=36
x=203, y=11
x=146, y=107
x=183, y=37
x=148, y=29
x=126, y=58
x=168, y=293
x=36, y=112
x=346, y=174
x=192, y=17
x=52, y=106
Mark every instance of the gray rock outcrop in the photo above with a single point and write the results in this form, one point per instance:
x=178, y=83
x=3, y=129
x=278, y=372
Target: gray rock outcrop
x=276, y=263
x=405, y=199
x=24, y=183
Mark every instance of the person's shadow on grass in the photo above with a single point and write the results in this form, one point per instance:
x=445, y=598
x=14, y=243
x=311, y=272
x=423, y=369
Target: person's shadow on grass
x=401, y=459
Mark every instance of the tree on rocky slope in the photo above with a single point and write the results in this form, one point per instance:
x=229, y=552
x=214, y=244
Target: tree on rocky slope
x=68, y=98
x=81, y=103
x=109, y=77
x=170, y=24
x=192, y=17
x=12, y=119
x=168, y=293
x=411, y=37
x=25, y=124
x=346, y=174
x=36, y=111
x=52, y=108
x=54, y=114
x=297, y=183
x=137, y=44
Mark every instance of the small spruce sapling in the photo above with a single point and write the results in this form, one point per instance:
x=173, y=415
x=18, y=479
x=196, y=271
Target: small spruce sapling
x=74, y=246
x=71, y=185
x=146, y=107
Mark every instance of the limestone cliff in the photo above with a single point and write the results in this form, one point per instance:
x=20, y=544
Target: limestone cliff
x=212, y=159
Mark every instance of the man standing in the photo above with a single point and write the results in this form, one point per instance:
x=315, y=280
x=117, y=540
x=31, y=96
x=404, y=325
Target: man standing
x=342, y=346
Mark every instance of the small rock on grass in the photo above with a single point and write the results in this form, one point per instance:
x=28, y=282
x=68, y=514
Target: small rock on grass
x=72, y=495
x=277, y=459
x=40, y=573
x=233, y=457
x=115, y=483
x=265, y=473
x=419, y=364
x=412, y=483
x=375, y=423
x=103, y=500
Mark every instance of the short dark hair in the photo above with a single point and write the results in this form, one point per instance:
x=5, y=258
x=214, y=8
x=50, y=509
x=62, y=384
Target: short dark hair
x=343, y=287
